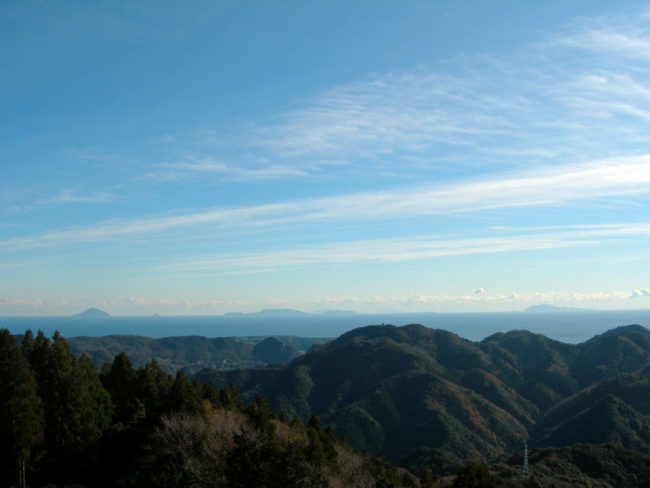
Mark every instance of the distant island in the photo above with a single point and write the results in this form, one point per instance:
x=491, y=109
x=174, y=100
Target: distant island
x=92, y=313
x=286, y=312
x=268, y=312
x=280, y=312
x=548, y=308
x=337, y=312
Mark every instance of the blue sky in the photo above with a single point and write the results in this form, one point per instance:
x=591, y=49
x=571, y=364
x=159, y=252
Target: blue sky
x=207, y=157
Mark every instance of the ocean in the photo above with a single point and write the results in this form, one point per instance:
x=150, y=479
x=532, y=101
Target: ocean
x=571, y=327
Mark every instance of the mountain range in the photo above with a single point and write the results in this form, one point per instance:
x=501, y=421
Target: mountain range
x=424, y=397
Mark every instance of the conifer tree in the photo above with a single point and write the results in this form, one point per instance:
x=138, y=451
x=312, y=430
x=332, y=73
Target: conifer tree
x=28, y=343
x=183, y=396
x=321, y=448
x=261, y=414
x=229, y=398
x=152, y=387
x=77, y=408
x=52, y=364
x=119, y=379
x=90, y=400
x=22, y=416
x=211, y=394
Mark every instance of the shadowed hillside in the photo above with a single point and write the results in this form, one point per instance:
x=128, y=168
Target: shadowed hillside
x=619, y=407
x=194, y=353
x=428, y=396
x=579, y=465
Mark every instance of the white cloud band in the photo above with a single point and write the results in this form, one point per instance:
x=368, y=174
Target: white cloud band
x=550, y=186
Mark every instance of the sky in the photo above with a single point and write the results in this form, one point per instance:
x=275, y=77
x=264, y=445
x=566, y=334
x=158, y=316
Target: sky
x=188, y=158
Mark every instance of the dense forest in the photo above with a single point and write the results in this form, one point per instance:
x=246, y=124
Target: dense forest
x=65, y=424
x=425, y=398
x=193, y=353
x=447, y=411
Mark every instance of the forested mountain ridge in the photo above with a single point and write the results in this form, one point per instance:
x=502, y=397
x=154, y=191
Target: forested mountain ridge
x=64, y=423
x=618, y=406
x=194, y=353
x=392, y=390
x=576, y=466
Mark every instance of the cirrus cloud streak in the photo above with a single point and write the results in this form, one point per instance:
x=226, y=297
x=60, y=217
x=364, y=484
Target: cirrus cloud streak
x=414, y=248
x=550, y=186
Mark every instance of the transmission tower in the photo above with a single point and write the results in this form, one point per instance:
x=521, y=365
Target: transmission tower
x=525, y=473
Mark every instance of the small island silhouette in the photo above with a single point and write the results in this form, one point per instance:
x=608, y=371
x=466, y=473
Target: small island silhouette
x=92, y=313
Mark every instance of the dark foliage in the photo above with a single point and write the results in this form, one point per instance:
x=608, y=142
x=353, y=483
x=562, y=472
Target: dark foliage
x=64, y=424
x=21, y=421
x=193, y=353
x=580, y=465
x=475, y=476
x=393, y=391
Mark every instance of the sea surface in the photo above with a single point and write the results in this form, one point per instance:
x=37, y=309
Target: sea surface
x=570, y=327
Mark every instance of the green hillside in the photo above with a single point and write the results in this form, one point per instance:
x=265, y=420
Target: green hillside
x=194, y=353
x=576, y=466
x=420, y=396
x=616, y=411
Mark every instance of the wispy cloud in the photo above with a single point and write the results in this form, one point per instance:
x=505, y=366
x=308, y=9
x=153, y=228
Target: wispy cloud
x=514, y=298
x=536, y=105
x=544, y=187
x=472, y=301
x=414, y=248
x=65, y=196
x=20, y=264
x=387, y=115
x=69, y=196
x=627, y=36
x=610, y=42
x=413, y=302
x=180, y=169
x=511, y=300
x=15, y=302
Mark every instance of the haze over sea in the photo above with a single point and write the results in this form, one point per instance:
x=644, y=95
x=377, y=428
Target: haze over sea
x=565, y=326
